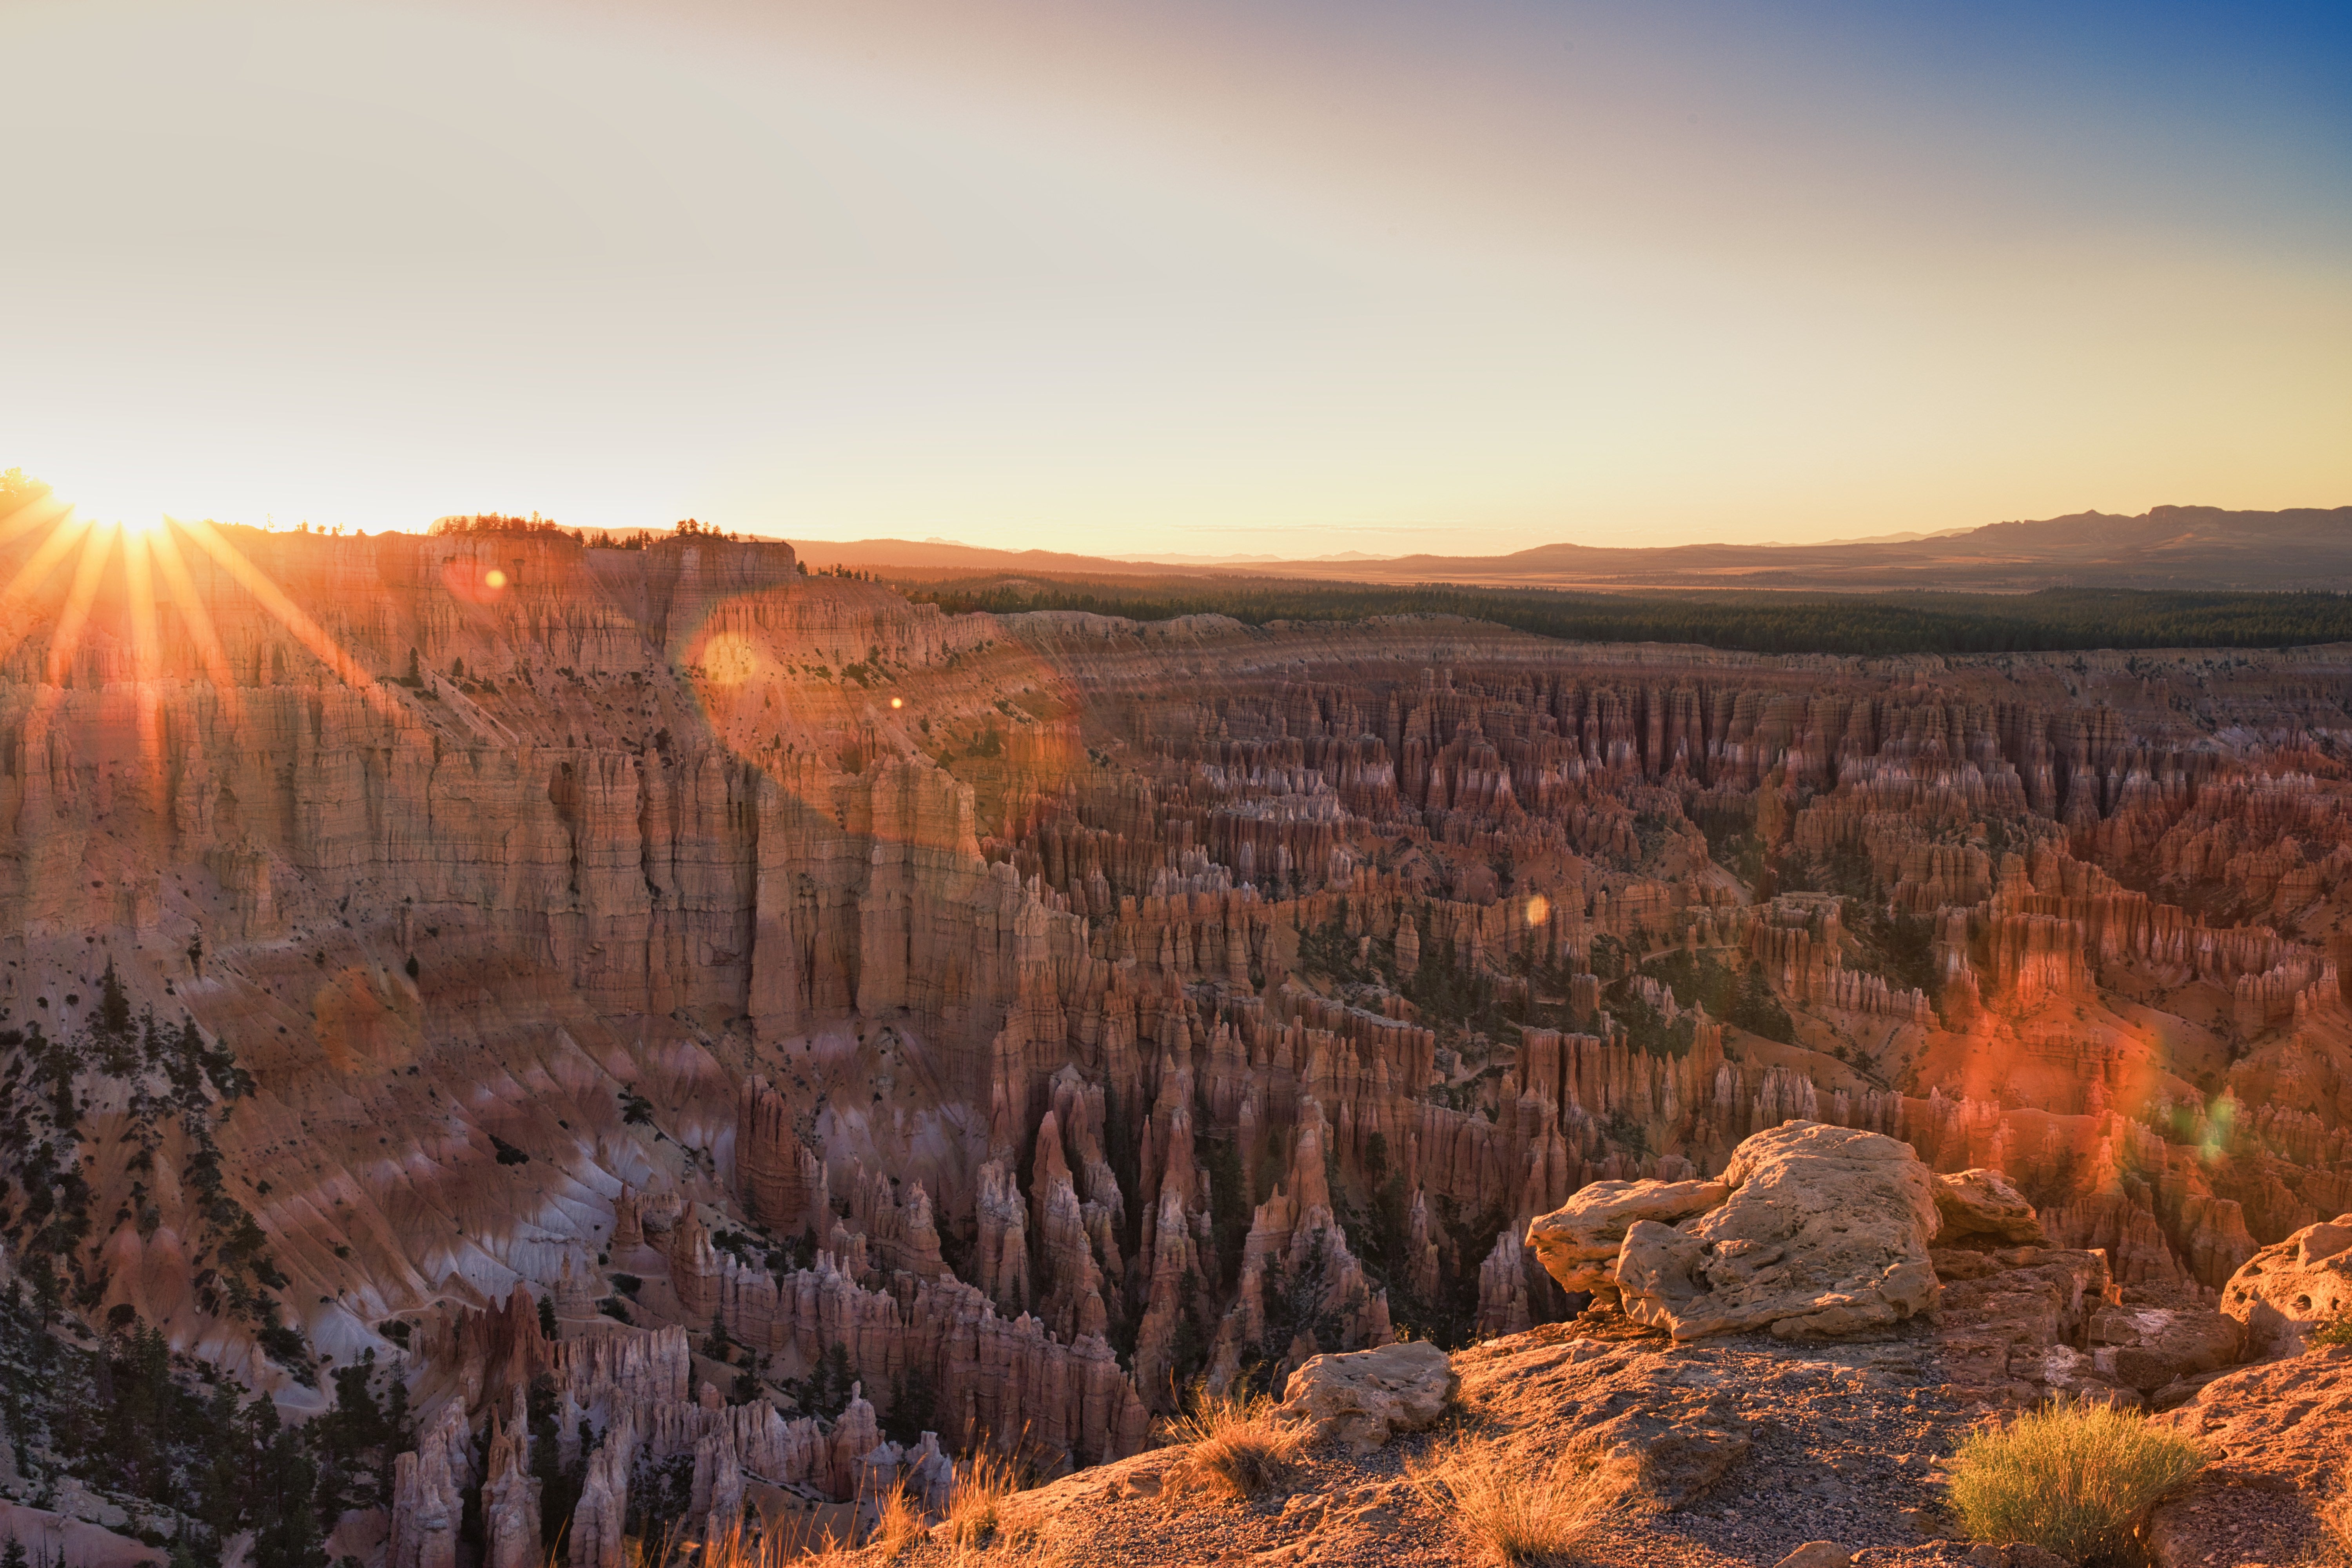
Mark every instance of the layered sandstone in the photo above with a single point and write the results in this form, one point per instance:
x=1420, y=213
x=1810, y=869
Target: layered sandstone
x=1028, y=1043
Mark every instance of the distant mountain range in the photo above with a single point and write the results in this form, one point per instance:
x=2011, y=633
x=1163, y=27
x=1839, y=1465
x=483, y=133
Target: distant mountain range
x=2167, y=547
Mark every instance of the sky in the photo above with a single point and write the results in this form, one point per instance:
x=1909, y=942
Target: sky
x=1283, y=277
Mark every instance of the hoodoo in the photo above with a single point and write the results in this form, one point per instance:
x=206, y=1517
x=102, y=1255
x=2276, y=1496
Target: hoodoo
x=674, y=1042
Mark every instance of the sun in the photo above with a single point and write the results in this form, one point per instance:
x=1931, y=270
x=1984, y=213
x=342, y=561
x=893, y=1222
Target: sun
x=65, y=546
x=139, y=506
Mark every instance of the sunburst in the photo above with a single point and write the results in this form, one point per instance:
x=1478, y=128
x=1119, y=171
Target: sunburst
x=144, y=545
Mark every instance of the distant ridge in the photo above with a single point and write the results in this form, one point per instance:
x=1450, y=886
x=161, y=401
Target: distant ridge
x=2178, y=547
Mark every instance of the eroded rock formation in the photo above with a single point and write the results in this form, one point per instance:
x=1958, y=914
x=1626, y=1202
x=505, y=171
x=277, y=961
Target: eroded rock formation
x=1025, y=1017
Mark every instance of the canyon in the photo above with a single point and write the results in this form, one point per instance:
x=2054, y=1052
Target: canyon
x=720, y=1039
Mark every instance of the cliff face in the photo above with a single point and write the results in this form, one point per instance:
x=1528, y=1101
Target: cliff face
x=1034, y=1015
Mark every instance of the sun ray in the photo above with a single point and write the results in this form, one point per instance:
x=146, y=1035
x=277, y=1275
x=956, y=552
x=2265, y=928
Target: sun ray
x=99, y=545
x=139, y=577
x=30, y=578
x=273, y=598
x=36, y=567
x=199, y=620
x=41, y=513
x=146, y=663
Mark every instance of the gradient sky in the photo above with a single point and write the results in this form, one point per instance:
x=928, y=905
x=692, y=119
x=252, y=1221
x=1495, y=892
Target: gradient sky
x=1196, y=276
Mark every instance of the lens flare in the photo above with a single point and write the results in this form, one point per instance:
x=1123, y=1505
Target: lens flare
x=730, y=660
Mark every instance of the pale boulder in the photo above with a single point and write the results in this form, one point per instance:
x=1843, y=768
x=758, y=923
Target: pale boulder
x=1981, y=1204
x=1578, y=1242
x=1363, y=1397
x=2285, y=1291
x=1825, y=1233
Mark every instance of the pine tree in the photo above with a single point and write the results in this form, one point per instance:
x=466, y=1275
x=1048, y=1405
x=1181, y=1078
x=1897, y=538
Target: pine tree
x=914, y=1407
x=113, y=1005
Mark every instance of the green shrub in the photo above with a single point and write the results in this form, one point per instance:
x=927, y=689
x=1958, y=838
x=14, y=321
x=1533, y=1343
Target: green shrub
x=2075, y=1478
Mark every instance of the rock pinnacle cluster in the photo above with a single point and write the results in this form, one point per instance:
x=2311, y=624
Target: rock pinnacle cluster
x=728, y=1042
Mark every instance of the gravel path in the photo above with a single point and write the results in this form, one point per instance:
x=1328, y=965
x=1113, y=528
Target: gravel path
x=1848, y=1448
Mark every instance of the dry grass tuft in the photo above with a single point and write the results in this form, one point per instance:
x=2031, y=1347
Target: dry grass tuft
x=898, y=1523
x=982, y=1484
x=1235, y=1446
x=1522, y=1510
x=2076, y=1479
x=736, y=1549
x=971, y=1532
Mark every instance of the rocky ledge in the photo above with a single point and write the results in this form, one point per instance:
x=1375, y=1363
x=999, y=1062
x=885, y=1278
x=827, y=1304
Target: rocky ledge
x=1830, y=1319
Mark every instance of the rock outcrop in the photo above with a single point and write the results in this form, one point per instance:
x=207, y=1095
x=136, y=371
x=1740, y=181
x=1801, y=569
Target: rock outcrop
x=510, y=1494
x=2277, y=1434
x=1578, y=1243
x=1815, y=1231
x=1981, y=1205
x=2282, y=1292
x=1364, y=1397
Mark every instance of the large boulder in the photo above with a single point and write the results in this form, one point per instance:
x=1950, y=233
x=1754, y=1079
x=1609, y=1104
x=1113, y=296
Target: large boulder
x=1980, y=1207
x=2283, y=1291
x=1578, y=1242
x=1825, y=1232
x=1363, y=1397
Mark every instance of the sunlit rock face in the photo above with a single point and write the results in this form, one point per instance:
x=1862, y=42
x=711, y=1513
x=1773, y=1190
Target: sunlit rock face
x=1027, y=1017
x=1815, y=1232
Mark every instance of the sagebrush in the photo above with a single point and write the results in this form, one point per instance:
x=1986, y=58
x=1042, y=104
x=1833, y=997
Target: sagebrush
x=2076, y=1479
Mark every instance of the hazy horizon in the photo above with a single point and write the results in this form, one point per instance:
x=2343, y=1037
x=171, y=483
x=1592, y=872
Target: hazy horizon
x=1291, y=279
x=628, y=532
